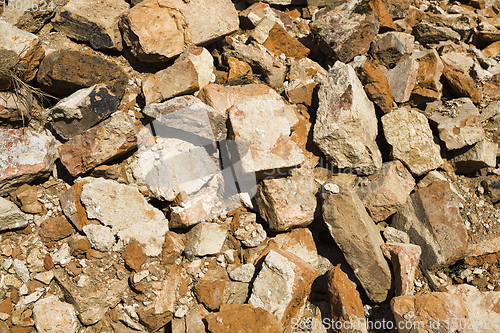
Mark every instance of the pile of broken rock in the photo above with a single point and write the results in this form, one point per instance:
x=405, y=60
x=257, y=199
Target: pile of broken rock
x=223, y=166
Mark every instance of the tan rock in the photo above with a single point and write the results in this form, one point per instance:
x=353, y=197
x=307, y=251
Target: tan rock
x=27, y=197
x=11, y=216
x=72, y=206
x=402, y=79
x=405, y=259
x=480, y=155
x=301, y=243
x=85, y=151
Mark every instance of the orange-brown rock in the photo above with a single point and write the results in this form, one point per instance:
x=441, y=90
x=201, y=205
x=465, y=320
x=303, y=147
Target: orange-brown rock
x=210, y=293
x=54, y=229
x=376, y=85
x=134, y=256
x=345, y=302
x=243, y=318
x=493, y=49
x=72, y=206
x=300, y=92
x=386, y=22
x=280, y=41
x=154, y=321
x=405, y=259
x=238, y=68
x=461, y=84
x=172, y=248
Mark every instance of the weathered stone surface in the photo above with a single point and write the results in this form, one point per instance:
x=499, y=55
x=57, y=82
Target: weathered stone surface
x=388, y=190
x=481, y=155
x=261, y=61
x=53, y=316
x=244, y=273
x=282, y=285
x=430, y=68
x=432, y=220
x=124, y=208
x=359, y=239
x=410, y=136
x=376, y=85
x=83, y=109
x=458, y=122
x=289, y=202
x=461, y=84
x=11, y=216
x=203, y=63
x=12, y=109
x=63, y=72
x=72, y=206
x=26, y=156
x=427, y=33
x=346, y=124
x=301, y=243
x=175, y=25
x=55, y=228
x=345, y=303
x=206, y=238
x=100, y=237
x=192, y=322
x=95, y=22
x=305, y=69
x=397, y=8
x=210, y=293
x=405, y=259
x=346, y=31
x=109, y=139
x=243, y=318
x=31, y=18
x=92, y=301
x=27, y=197
x=249, y=232
x=402, y=79
x=423, y=308
x=387, y=48
x=26, y=45
x=393, y=235
x=300, y=91
x=134, y=256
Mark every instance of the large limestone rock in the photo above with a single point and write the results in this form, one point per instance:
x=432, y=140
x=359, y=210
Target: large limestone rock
x=410, y=136
x=109, y=139
x=92, y=21
x=124, y=209
x=26, y=156
x=347, y=30
x=346, y=124
x=282, y=285
x=359, y=239
x=432, y=220
x=160, y=30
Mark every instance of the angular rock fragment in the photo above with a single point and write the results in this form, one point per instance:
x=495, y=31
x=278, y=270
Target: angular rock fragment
x=290, y=202
x=432, y=220
x=402, y=79
x=53, y=316
x=27, y=197
x=301, y=243
x=300, y=91
x=72, y=206
x=33, y=16
x=430, y=67
x=109, y=139
x=54, y=229
x=405, y=259
x=243, y=318
x=387, y=49
x=461, y=84
x=388, y=190
x=249, y=232
x=427, y=33
x=359, y=239
x=63, y=72
x=26, y=156
x=12, y=108
x=206, y=238
x=127, y=211
x=282, y=285
x=346, y=125
x=376, y=85
x=95, y=22
x=410, y=136
x=244, y=273
x=134, y=256
x=26, y=46
x=100, y=237
x=83, y=109
x=481, y=155
x=458, y=122
x=11, y=216
x=346, y=31
x=345, y=303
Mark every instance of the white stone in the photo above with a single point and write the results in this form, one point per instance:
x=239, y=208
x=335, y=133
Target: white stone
x=44, y=277
x=53, y=316
x=100, y=237
x=21, y=270
x=62, y=256
x=11, y=217
x=244, y=273
x=207, y=238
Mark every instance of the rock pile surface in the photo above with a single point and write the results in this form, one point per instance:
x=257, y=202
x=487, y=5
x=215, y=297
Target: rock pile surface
x=227, y=166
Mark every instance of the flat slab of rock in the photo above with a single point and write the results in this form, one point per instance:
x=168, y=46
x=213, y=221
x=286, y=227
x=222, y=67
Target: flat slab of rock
x=282, y=285
x=289, y=202
x=109, y=139
x=11, y=217
x=125, y=209
x=346, y=124
x=432, y=220
x=359, y=239
x=347, y=30
x=26, y=45
x=26, y=156
x=409, y=134
x=64, y=71
x=83, y=109
x=388, y=190
x=95, y=22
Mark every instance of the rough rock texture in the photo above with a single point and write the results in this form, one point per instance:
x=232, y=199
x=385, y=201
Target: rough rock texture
x=481, y=155
x=26, y=156
x=409, y=134
x=376, y=85
x=402, y=79
x=432, y=220
x=107, y=140
x=11, y=216
x=282, y=285
x=243, y=318
x=53, y=316
x=387, y=191
x=63, y=72
x=124, y=208
x=92, y=21
x=405, y=259
x=346, y=31
x=359, y=239
x=206, y=238
x=345, y=115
